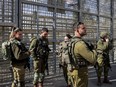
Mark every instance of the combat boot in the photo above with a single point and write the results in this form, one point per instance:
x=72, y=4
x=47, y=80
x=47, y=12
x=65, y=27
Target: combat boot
x=99, y=81
x=106, y=80
x=14, y=83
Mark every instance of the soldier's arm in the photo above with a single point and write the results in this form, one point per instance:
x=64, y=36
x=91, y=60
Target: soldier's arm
x=102, y=45
x=18, y=54
x=82, y=49
x=32, y=48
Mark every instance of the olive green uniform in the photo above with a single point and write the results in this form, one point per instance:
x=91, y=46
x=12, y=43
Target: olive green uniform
x=64, y=60
x=83, y=57
x=39, y=52
x=19, y=62
x=103, y=60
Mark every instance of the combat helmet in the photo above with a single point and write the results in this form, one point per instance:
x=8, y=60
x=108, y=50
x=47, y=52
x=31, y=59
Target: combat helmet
x=103, y=34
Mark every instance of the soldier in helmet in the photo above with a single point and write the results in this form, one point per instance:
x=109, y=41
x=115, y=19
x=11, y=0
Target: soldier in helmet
x=103, y=61
x=64, y=58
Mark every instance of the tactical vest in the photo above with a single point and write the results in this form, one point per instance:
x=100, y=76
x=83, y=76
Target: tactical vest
x=42, y=49
x=75, y=62
x=63, y=53
x=23, y=49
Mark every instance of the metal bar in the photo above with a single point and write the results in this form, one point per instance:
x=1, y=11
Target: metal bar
x=5, y=24
x=98, y=27
x=54, y=36
x=16, y=12
x=80, y=10
x=37, y=21
x=12, y=15
x=48, y=5
x=3, y=11
x=19, y=13
x=112, y=26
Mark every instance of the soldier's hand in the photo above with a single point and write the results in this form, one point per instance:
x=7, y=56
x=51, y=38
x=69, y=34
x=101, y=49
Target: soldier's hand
x=70, y=68
x=107, y=40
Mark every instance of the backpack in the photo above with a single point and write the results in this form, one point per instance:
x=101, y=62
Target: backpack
x=71, y=46
x=6, y=50
x=70, y=57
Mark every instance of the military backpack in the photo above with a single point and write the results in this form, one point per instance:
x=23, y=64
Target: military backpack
x=6, y=50
x=68, y=50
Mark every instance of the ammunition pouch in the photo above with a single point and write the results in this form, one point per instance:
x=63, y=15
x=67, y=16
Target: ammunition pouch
x=80, y=63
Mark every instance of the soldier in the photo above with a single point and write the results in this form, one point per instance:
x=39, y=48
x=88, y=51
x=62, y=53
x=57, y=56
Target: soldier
x=64, y=57
x=83, y=56
x=40, y=52
x=20, y=57
x=103, y=61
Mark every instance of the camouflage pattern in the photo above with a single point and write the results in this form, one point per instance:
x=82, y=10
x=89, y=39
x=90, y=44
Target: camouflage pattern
x=79, y=74
x=64, y=60
x=40, y=58
x=103, y=61
x=18, y=62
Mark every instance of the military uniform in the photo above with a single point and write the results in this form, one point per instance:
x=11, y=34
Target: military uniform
x=39, y=52
x=103, y=60
x=64, y=60
x=19, y=60
x=83, y=57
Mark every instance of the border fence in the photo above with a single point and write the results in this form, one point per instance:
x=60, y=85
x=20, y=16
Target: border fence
x=58, y=16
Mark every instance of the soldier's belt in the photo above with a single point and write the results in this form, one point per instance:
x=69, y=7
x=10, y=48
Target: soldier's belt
x=80, y=64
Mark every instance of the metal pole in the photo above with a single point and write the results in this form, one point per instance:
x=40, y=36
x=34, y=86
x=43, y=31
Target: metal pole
x=112, y=27
x=37, y=21
x=12, y=16
x=98, y=6
x=80, y=10
x=19, y=13
x=54, y=36
x=3, y=11
x=16, y=12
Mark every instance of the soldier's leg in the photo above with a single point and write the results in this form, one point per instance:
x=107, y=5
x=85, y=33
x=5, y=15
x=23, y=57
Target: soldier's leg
x=80, y=79
x=41, y=79
x=15, y=81
x=106, y=70
x=74, y=78
x=65, y=74
x=21, y=76
x=99, y=70
x=36, y=79
x=69, y=78
x=99, y=74
x=36, y=73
